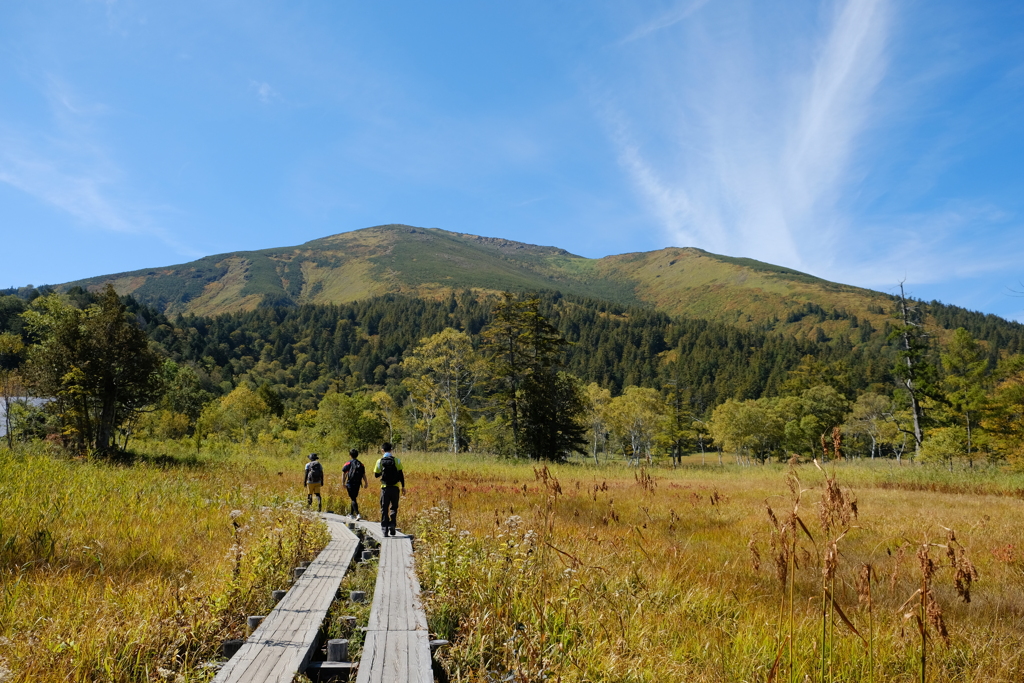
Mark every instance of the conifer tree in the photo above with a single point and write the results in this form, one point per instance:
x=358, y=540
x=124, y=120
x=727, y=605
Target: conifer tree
x=543, y=409
x=966, y=371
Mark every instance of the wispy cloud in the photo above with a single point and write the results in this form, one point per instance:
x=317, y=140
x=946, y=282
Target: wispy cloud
x=840, y=137
x=65, y=166
x=83, y=193
x=264, y=91
x=680, y=13
x=758, y=141
x=927, y=247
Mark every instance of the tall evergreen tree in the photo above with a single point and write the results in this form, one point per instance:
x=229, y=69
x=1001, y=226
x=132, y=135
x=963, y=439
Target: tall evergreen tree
x=542, y=408
x=966, y=367
x=554, y=426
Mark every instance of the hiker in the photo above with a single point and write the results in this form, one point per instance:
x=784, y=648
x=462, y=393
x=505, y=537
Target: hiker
x=389, y=470
x=353, y=474
x=313, y=480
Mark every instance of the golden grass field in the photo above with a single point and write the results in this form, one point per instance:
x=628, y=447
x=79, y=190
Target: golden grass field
x=575, y=572
x=607, y=574
x=115, y=573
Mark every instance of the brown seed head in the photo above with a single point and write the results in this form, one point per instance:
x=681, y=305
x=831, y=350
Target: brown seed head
x=934, y=613
x=926, y=563
x=831, y=563
x=755, y=556
x=793, y=482
x=780, y=553
x=864, y=586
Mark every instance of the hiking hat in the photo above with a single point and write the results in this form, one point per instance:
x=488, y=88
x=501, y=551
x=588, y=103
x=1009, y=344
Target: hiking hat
x=313, y=456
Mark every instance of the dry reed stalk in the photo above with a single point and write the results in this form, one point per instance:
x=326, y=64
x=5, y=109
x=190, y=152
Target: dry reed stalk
x=644, y=480
x=901, y=554
x=837, y=442
x=829, y=566
x=928, y=610
x=836, y=509
x=783, y=539
x=964, y=571
x=755, y=556
x=864, y=598
x=780, y=540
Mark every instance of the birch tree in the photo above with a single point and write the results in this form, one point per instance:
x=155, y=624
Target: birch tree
x=636, y=416
x=422, y=406
x=11, y=348
x=598, y=400
x=448, y=362
x=868, y=419
x=388, y=411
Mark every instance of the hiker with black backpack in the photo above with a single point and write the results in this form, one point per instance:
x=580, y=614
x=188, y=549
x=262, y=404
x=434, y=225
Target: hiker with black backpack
x=313, y=480
x=389, y=470
x=352, y=475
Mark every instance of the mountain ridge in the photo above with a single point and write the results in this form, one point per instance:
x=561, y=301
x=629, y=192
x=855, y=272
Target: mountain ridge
x=431, y=262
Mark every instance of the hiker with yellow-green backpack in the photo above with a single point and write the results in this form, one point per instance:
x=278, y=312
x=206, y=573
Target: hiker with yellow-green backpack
x=389, y=470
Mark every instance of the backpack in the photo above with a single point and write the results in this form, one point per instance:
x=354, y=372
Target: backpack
x=355, y=473
x=388, y=471
x=315, y=473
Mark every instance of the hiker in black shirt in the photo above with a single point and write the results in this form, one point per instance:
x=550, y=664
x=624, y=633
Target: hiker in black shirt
x=353, y=474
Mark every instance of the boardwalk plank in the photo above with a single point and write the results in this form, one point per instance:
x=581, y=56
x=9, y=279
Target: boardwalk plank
x=397, y=645
x=371, y=664
x=282, y=645
x=396, y=666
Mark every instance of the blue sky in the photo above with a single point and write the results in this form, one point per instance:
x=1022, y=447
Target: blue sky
x=865, y=142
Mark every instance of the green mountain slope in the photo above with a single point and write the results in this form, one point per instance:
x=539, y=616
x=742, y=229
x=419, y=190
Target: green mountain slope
x=431, y=263
x=359, y=264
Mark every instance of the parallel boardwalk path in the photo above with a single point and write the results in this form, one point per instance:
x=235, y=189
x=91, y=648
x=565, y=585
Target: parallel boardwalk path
x=397, y=645
x=284, y=642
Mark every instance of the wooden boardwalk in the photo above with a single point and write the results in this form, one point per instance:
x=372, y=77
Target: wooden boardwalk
x=397, y=645
x=284, y=642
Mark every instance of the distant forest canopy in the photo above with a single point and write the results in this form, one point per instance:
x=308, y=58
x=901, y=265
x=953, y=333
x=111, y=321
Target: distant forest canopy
x=303, y=351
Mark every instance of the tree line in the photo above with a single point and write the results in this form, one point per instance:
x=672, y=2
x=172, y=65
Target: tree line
x=541, y=376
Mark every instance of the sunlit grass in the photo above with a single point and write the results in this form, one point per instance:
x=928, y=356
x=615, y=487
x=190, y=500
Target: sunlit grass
x=582, y=572
x=117, y=573
x=601, y=573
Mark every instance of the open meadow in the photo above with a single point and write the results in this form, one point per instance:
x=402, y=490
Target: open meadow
x=608, y=573
x=574, y=572
x=138, y=572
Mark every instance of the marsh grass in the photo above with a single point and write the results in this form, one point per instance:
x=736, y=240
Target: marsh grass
x=573, y=572
x=137, y=573
x=581, y=573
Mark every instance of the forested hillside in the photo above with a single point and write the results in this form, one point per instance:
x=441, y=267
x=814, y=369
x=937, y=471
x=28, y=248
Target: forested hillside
x=691, y=376
x=302, y=350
